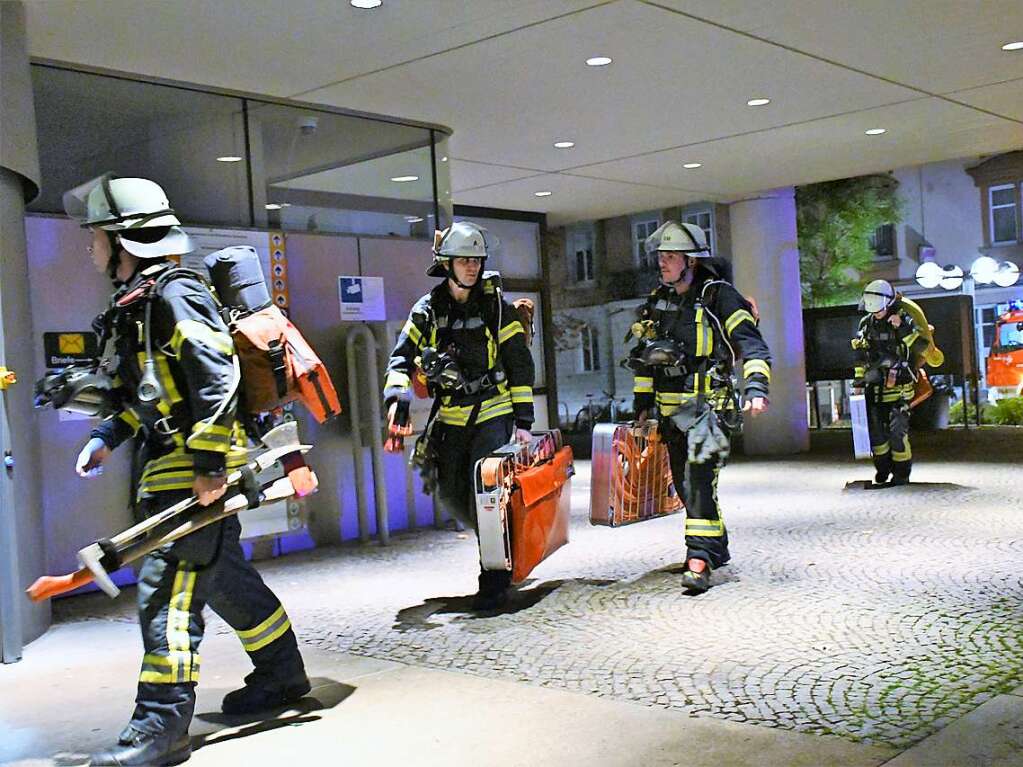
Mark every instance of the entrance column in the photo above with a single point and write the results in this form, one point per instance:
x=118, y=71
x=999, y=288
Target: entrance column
x=766, y=262
x=22, y=543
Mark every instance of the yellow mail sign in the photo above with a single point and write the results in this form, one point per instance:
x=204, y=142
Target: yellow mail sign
x=71, y=343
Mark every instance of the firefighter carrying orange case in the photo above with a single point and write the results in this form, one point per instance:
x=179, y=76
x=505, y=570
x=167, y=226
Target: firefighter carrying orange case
x=631, y=477
x=522, y=503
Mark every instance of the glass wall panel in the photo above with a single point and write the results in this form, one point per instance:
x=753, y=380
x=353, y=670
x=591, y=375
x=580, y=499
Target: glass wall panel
x=323, y=172
x=444, y=201
x=90, y=124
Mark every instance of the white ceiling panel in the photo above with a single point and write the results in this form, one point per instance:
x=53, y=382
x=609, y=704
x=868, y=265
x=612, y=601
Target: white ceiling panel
x=279, y=49
x=922, y=131
x=509, y=79
x=674, y=81
x=937, y=45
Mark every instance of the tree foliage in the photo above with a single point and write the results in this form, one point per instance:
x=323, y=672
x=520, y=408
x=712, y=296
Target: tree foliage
x=835, y=221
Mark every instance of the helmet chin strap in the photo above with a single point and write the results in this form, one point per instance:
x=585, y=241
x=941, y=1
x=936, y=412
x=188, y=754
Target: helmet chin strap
x=458, y=282
x=681, y=277
x=115, y=256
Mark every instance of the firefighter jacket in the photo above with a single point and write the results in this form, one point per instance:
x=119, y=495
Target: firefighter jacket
x=713, y=326
x=192, y=427
x=486, y=342
x=887, y=357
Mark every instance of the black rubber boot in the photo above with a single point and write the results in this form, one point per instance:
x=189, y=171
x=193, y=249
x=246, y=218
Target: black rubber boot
x=493, y=591
x=142, y=748
x=881, y=477
x=898, y=479
x=264, y=694
x=696, y=583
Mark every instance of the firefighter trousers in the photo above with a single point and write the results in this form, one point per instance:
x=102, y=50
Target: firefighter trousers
x=888, y=423
x=174, y=584
x=697, y=483
x=458, y=450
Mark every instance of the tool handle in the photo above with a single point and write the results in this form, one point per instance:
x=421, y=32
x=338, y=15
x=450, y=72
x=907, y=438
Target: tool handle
x=50, y=586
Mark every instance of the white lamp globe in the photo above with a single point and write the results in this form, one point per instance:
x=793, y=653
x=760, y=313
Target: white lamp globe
x=1007, y=274
x=928, y=275
x=983, y=270
x=952, y=277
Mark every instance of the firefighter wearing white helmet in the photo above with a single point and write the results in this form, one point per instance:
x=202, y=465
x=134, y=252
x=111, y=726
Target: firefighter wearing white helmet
x=177, y=391
x=889, y=346
x=691, y=334
x=469, y=344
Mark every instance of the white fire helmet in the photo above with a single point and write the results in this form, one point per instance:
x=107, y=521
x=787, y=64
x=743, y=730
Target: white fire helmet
x=681, y=238
x=877, y=296
x=462, y=239
x=127, y=207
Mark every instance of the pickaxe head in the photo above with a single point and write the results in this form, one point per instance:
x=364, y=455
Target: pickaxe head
x=90, y=557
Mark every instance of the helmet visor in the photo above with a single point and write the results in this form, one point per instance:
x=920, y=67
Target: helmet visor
x=874, y=301
x=92, y=203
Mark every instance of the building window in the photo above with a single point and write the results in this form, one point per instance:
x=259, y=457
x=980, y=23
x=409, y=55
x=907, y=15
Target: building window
x=580, y=249
x=641, y=229
x=589, y=353
x=882, y=241
x=705, y=220
x=1002, y=201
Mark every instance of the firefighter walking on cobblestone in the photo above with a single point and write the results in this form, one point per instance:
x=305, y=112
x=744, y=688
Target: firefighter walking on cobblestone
x=889, y=345
x=177, y=382
x=692, y=332
x=471, y=346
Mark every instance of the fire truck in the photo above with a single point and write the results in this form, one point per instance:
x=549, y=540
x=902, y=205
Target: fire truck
x=1005, y=361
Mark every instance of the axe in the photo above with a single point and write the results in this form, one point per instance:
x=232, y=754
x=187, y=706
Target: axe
x=100, y=558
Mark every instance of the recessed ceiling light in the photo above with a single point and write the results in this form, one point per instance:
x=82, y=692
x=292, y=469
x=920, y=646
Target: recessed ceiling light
x=875, y=131
x=229, y=158
x=757, y=102
x=366, y=4
x=691, y=165
x=273, y=206
x=404, y=179
x=443, y=159
x=1017, y=46
x=543, y=194
x=413, y=219
x=564, y=144
x=598, y=61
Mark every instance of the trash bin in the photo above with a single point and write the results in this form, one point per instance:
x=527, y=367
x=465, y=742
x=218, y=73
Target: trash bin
x=932, y=413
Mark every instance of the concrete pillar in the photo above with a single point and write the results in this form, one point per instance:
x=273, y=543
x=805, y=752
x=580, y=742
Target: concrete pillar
x=21, y=532
x=766, y=262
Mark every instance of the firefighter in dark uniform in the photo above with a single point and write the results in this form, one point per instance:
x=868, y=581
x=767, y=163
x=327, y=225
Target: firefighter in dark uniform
x=888, y=345
x=178, y=379
x=473, y=350
x=692, y=331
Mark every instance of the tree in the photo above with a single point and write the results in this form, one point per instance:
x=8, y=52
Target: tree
x=835, y=221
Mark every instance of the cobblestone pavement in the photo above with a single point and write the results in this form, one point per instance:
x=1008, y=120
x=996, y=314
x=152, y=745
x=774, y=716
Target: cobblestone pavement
x=876, y=615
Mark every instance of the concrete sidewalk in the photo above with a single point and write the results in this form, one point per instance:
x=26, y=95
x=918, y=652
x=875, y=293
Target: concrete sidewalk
x=843, y=633
x=74, y=690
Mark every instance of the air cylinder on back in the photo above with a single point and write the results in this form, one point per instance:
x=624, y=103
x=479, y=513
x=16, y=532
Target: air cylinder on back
x=238, y=278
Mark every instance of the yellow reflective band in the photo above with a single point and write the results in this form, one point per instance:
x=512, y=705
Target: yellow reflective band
x=521, y=394
x=643, y=385
x=902, y=456
x=705, y=528
x=491, y=352
x=750, y=367
x=736, y=318
x=207, y=436
x=509, y=330
x=413, y=333
x=704, y=336
x=266, y=632
x=166, y=378
x=881, y=449
x=178, y=619
x=197, y=332
x=859, y=371
x=129, y=417
x=396, y=380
